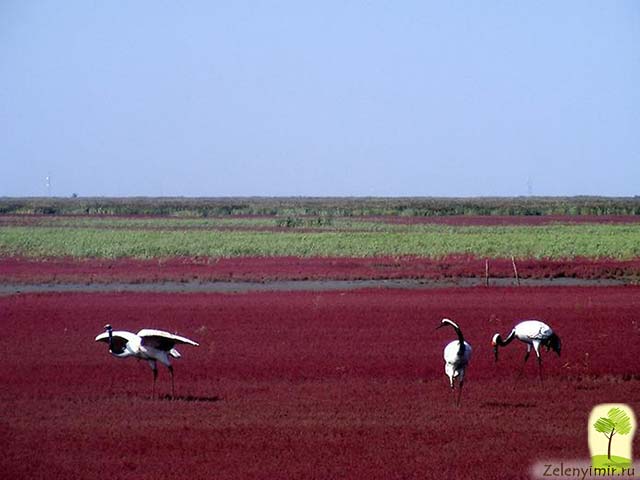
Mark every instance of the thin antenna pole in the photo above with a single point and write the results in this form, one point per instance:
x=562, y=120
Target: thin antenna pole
x=48, y=182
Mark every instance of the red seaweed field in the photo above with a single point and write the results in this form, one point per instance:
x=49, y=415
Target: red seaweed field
x=92, y=270
x=341, y=384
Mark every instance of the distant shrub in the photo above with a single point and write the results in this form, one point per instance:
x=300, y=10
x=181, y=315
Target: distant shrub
x=324, y=208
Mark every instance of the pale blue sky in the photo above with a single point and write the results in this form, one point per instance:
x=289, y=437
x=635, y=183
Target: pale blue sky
x=330, y=98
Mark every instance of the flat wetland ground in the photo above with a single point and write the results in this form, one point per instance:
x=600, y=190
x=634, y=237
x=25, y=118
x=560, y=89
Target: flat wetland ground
x=341, y=384
x=318, y=383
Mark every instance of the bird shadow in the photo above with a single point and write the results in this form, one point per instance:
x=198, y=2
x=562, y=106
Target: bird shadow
x=508, y=405
x=189, y=398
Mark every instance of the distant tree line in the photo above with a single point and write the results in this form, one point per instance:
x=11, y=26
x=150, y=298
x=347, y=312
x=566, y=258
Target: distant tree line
x=326, y=207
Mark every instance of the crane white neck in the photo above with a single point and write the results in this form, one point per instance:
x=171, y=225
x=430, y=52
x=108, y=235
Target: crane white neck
x=497, y=339
x=446, y=321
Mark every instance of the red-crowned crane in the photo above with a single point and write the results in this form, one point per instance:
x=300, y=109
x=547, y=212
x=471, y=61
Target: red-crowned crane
x=148, y=344
x=456, y=358
x=534, y=333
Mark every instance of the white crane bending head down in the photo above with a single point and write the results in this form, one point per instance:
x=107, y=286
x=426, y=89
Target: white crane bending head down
x=148, y=344
x=456, y=358
x=534, y=333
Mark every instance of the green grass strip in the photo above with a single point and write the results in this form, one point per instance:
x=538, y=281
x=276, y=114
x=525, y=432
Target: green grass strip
x=551, y=241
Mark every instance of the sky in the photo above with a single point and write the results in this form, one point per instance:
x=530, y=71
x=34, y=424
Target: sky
x=330, y=98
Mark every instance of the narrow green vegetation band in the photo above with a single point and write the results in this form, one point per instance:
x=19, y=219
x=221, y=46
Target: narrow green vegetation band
x=552, y=241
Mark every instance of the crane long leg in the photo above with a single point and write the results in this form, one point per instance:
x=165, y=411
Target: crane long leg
x=540, y=367
x=173, y=389
x=452, y=389
x=154, y=368
x=526, y=357
x=459, y=393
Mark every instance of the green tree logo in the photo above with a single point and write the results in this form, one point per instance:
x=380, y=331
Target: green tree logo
x=618, y=422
